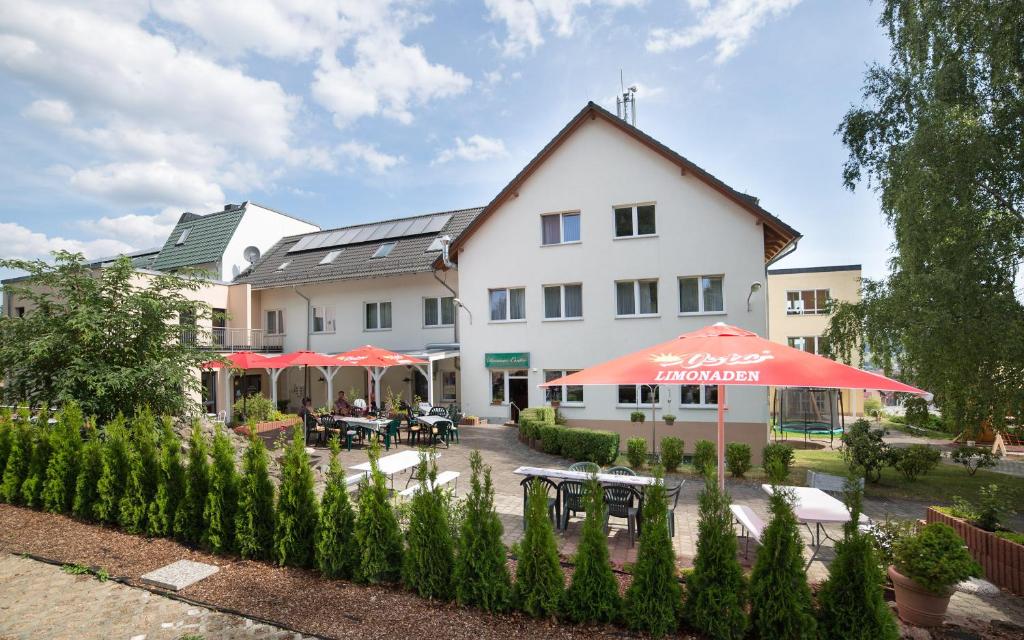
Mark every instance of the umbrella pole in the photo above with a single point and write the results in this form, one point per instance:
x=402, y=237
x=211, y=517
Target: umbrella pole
x=721, y=437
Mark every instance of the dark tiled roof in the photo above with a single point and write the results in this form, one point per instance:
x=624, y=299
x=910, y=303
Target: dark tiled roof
x=410, y=255
x=207, y=239
x=838, y=267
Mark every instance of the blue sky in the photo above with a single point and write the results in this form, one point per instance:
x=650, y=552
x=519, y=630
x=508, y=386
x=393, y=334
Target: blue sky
x=117, y=115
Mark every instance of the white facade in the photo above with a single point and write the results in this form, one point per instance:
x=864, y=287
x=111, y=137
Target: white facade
x=261, y=228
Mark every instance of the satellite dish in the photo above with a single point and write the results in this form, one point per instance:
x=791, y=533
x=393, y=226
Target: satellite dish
x=252, y=254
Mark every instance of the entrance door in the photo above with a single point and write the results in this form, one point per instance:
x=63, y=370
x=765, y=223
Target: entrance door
x=519, y=395
x=210, y=391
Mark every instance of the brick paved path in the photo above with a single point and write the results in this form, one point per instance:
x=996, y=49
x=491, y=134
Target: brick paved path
x=39, y=600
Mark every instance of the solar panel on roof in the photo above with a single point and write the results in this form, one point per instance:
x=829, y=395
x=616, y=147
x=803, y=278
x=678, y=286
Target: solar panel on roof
x=301, y=244
x=381, y=231
x=417, y=226
x=437, y=223
x=363, y=235
x=372, y=232
x=401, y=228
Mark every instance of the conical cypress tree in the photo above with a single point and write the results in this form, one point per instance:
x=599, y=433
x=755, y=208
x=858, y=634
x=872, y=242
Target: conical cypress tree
x=337, y=554
x=540, y=582
x=481, y=575
x=294, y=535
x=652, y=602
x=90, y=467
x=430, y=557
x=62, y=472
x=188, y=522
x=6, y=430
x=170, y=485
x=378, y=536
x=114, y=474
x=716, y=590
x=140, y=487
x=850, y=602
x=32, y=488
x=781, y=605
x=254, y=522
x=18, y=460
x=593, y=595
x=222, y=497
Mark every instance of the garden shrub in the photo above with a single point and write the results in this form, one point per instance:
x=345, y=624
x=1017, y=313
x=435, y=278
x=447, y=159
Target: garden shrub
x=851, y=602
x=652, y=601
x=873, y=407
x=481, y=575
x=62, y=472
x=671, y=452
x=716, y=591
x=915, y=412
x=114, y=474
x=993, y=507
x=337, y=555
x=256, y=407
x=864, y=450
x=6, y=429
x=188, y=521
x=935, y=558
x=781, y=605
x=170, y=484
x=18, y=460
x=705, y=456
x=974, y=458
x=429, y=560
x=32, y=487
x=637, y=416
x=737, y=458
x=780, y=453
x=140, y=487
x=914, y=461
x=538, y=414
x=884, y=536
x=378, y=536
x=540, y=582
x=295, y=532
x=90, y=467
x=593, y=595
x=222, y=497
x=601, y=447
x=550, y=438
x=636, y=452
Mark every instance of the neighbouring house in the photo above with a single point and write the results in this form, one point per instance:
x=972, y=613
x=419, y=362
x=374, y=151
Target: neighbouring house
x=798, y=314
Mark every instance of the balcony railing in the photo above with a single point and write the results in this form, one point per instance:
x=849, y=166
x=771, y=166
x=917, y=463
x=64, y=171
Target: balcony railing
x=232, y=339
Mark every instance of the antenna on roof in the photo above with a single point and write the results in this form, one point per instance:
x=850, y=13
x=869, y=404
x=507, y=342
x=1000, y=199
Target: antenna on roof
x=625, y=103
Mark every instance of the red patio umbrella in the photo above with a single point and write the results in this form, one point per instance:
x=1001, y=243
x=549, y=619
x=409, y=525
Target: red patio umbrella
x=305, y=359
x=238, y=360
x=725, y=355
x=376, y=361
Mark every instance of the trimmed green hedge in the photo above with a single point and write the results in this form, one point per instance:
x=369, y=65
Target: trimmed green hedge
x=538, y=423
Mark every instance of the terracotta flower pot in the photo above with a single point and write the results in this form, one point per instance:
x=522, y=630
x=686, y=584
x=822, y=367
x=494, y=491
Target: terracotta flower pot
x=915, y=604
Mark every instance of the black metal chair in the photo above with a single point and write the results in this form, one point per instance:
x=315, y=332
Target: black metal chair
x=312, y=428
x=553, y=508
x=623, y=502
x=331, y=427
x=413, y=428
x=571, y=496
x=439, y=432
x=438, y=411
x=673, y=501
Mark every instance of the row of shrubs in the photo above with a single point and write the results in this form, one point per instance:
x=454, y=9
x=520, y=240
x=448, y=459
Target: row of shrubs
x=705, y=455
x=867, y=453
x=537, y=424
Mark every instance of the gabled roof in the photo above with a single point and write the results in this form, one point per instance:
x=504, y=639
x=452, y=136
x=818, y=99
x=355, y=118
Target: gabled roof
x=208, y=237
x=354, y=261
x=827, y=269
x=777, y=234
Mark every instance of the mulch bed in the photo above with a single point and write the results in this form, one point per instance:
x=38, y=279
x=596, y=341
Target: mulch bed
x=293, y=598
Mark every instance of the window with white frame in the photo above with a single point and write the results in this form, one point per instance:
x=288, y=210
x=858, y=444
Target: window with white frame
x=560, y=228
x=384, y=250
x=438, y=312
x=448, y=388
x=811, y=344
x=698, y=395
x=563, y=302
x=636, y=298
x=566, y=395
x=275, y=322
x=322, y=319
x=807, y=302
x=701, y=294
x=634, y=220
x=635, y=395
x=508, y=304
x=378, y=316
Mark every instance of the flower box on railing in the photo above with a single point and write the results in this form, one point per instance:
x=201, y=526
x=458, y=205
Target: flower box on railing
x=270, y=425
x=1002, y=559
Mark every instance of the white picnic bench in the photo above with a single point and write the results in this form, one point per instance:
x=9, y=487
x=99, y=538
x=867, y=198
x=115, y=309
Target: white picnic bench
x=751, y=524
x=443, y=478
x=394, y=464
x=813, y=506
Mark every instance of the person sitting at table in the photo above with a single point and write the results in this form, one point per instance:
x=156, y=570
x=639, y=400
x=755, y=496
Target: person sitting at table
x=341, y=405
x=309, y=421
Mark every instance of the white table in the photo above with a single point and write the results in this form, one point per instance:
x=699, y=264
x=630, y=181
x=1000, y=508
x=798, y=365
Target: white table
x=395, y=463
x=814, y=506
x=603, y=478
x=432, y=421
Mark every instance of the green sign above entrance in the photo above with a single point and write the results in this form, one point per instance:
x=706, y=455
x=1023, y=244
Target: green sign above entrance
x=507, y=360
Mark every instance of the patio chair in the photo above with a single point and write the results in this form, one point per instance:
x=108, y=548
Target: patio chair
x=413, y=429
x=438, y=411
x=553, y=510
x=313, y=428
x=571, y=494
x=456, y=417
x=585, y=467
x=390, y=434
x=621, y=471
x=623, y=502
x=332, y=427
x=439, y=433
x=350, y=431
x=673, y=501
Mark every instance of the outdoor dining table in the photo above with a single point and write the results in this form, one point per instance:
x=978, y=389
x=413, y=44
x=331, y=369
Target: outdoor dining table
x=814, y=506
x=395, y=463
x=432, y=421
x=603, y=478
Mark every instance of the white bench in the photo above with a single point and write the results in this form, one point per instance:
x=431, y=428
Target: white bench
x=751, y=525
x=353, y=480
x=443, y=478
x=828, y=482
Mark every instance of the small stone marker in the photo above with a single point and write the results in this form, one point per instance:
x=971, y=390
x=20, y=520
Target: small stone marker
x=178, y=575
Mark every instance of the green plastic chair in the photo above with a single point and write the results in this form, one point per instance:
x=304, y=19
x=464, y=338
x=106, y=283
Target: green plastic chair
x=585, y=467
x=391, y=434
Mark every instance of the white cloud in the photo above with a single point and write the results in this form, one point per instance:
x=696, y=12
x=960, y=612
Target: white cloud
x=524, y=19
x=729, y=23
x=55, y=112
x=23, y=243
x=148, y=184
x=138, y=230
x=475, y=149
x=377, y=161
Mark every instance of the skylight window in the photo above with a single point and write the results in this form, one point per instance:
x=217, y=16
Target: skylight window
x=184, y=236
x=284, y=265
x=436, y=245
x=331, y=255
x=384, y=250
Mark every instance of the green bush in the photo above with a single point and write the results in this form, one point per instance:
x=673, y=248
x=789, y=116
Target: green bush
x=114, y=475
x=593, y=595
x=90, y=466
x=705, y=457
x=601, y=447
x=851, y=603
x=378, y=537
x=935, y=558
x=256, y=519
x=637, y=416
x=32, y=488
x=188, y=521
x=781, y=605
x=62, y=472
x=914, y=461
x=539, y=578
x=1012, y=536
x=652, y=602
x=873, y=407
x=18, y=460
x=782, y=455
x=170, y=484
x=140, y=486
x=429, y=560
x=915, y=412
x=337, y=555
x=537, y=414
x=864, y=450
x=481, y=575
x=671, y=452
x=993, y=508
x=737, y=458
x=884, y=536
x=636, y=452
x=256, y=407
x=6, y=428
x=297, y=514
x=974, y=458
x=222, y=498
x=716, y=591
x=551, y=438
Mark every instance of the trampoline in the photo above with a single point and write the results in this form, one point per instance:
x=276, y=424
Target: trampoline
x=808, y=412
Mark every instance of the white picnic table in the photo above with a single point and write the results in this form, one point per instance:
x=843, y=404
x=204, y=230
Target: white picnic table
x=603, y=478
x=372, y=423
x=814, y=506
x=394, y=464
x=432, y=420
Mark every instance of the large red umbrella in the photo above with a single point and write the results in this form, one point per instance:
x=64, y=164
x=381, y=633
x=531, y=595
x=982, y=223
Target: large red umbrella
x=325, y=363
x=725, y=355
x=376, y=361
x=239, y=360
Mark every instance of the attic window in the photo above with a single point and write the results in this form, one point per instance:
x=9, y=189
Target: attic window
x=436, y=245
x=331, y=255
x=284, y=265
x=184, y=236
x=384, y=250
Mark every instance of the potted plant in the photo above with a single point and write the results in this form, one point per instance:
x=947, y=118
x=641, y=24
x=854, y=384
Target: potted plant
x=669, y=419
x=926, y=566
x=637, y=416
